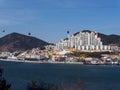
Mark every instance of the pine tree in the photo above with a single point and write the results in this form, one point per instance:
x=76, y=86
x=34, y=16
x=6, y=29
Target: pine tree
x=3, y=83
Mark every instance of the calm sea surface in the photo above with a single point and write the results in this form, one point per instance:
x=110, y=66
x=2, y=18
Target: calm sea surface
x=93, y=76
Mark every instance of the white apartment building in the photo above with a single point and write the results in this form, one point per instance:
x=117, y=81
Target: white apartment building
x=83, y=41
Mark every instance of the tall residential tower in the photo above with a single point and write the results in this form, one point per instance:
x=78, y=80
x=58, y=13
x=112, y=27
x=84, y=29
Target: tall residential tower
x=84, y=41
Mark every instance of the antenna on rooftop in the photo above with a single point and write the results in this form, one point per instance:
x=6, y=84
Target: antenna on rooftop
x=68, y=33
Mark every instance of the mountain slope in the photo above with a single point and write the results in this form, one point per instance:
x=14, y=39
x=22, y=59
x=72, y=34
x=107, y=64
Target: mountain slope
x=16, y=41
x=109, y=39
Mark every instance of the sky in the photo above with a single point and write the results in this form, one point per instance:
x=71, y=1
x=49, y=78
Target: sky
x=50, y=20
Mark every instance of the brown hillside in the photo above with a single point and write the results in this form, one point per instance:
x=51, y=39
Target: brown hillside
x=16, y=41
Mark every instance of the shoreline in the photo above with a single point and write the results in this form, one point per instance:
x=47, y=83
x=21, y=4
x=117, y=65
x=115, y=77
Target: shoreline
x=12, y=60
x=40, y=62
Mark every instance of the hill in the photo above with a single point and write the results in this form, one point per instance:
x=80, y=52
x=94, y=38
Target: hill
x=110, y=39
x=16, y=41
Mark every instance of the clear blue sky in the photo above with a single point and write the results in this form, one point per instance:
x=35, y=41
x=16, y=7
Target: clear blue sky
x=50, y=19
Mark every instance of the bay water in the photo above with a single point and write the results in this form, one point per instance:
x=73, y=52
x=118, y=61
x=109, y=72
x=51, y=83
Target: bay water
x=104, y=77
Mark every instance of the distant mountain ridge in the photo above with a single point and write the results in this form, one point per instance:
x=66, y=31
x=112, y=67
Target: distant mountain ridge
x=16, y=41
